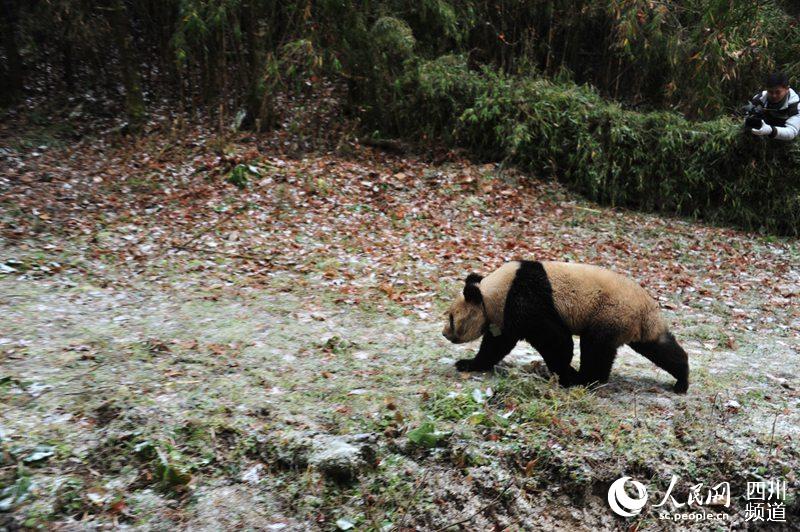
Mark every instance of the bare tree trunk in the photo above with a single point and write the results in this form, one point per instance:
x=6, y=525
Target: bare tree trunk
x=123, y=34
x=66, y=61
x=260, y=109
x=12, y=86
x=251, y=81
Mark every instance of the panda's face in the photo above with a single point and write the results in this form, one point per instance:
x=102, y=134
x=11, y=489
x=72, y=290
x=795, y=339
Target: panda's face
x=465, y=321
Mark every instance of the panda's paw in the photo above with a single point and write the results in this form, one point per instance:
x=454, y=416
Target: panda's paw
x=470, y=364
x=465, y=364
x=568, y=377
x=681, y=386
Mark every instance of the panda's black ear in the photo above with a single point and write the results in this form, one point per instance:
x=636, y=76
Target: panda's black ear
x=472, y=294
x=473, y=278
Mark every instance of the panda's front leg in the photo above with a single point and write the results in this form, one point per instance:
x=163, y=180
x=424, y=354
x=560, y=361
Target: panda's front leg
x=493, y=349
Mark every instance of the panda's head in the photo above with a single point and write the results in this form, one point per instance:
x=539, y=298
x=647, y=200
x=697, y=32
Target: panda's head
x=466, y=319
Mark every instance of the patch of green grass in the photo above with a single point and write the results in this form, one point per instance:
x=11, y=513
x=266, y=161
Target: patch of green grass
x=706, y=332
x=451, y=406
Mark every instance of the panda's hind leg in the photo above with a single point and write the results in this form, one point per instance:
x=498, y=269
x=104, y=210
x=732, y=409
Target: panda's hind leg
x=597, y=358
x=666, y=353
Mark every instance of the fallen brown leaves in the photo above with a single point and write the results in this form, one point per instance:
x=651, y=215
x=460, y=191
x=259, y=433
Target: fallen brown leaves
x=367, y=225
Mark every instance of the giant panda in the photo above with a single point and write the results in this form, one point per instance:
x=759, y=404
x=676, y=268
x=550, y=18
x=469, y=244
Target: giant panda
x=546, y=303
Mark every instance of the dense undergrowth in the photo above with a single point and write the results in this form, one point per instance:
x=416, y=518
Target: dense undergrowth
x=627, y=101
x=651, y=161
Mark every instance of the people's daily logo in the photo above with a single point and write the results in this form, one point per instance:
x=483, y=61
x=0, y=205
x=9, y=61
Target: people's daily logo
x=766, y=500
x=622, y=503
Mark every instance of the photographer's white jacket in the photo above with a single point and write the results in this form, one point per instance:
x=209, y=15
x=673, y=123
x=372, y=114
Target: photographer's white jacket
x=785, y=120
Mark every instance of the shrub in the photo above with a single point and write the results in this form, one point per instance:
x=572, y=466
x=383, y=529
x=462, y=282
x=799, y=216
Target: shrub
x=651, y=161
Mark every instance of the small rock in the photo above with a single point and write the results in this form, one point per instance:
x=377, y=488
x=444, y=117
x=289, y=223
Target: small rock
x=337, y=457
x=477, y=396
x=364, y=437
x=733, y=406
x=253, y=475
x=344, y=524
x=292, y=449
x=337, y=460
x=41, y=452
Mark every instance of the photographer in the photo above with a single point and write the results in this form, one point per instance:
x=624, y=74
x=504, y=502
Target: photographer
x=774, y=112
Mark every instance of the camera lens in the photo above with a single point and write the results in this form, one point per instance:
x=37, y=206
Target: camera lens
x=753, y=122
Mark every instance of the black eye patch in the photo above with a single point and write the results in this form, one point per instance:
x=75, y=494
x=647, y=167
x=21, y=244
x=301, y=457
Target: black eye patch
x=452, y=327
